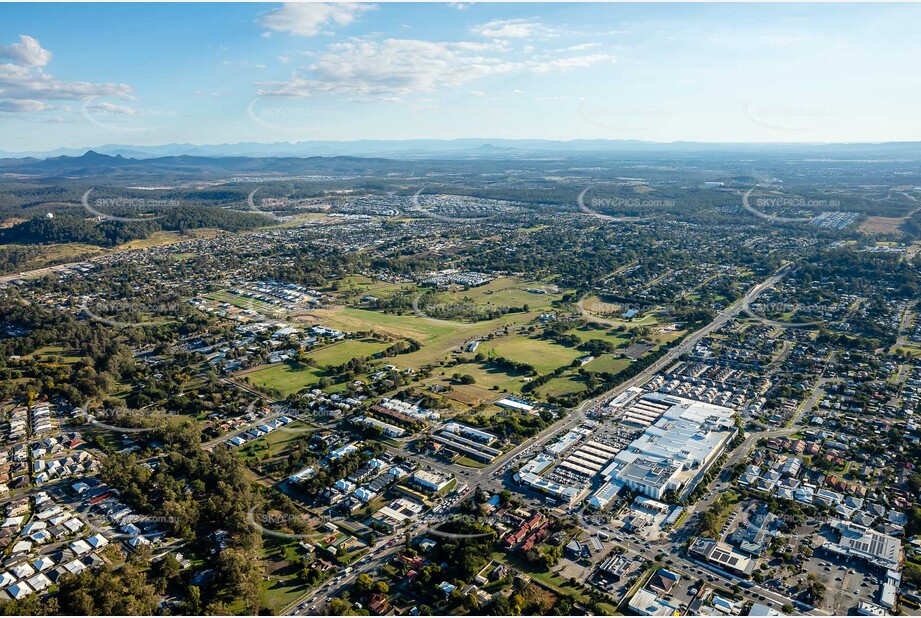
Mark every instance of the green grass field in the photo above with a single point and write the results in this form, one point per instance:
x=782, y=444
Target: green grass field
x=288, y=378
x=274, y=443
x=344, y=351
x=505, y=292
x=438, y=337
x=563, y=385
x=67, y=357
x=608, y=363
x=544, y=356
x=283, y=377
x=587, y=334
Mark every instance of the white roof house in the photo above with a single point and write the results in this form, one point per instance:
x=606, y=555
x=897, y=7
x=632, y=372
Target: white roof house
x=43, y=564
x=97, y=541
x=20, y=590
x=38, y=582
x=22, y=570
x=80, y=547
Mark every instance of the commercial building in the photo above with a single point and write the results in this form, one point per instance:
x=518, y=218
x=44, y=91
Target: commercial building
x=646, y=603
x=856, y=541
x=433, y=481
x=468, y=447
x=565, y=494
x=650, y=477
x=601, y=498
x=722, y=556
x=470, y=432
x=514, y=404
x=673, y=451
x=391, y=431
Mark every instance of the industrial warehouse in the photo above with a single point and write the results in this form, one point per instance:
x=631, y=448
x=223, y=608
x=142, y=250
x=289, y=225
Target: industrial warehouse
x=680, y=438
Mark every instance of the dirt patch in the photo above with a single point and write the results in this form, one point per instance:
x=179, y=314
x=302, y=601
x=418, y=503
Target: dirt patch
x=539, y=597
x=465, y=398
x=882, y=225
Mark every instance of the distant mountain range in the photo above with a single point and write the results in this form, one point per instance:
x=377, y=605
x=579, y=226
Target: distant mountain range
x=476, y=148
x=96, y=164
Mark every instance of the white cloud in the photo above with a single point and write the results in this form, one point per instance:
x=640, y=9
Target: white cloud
x=23, y=105
x=388, y=70
x=581, y=47
x=28, y=52
x=513, y=29
x=310, y=18
x=26, y=87
x=573, y=62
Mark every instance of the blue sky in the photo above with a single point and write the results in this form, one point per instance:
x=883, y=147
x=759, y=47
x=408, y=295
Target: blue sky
x=81, y=75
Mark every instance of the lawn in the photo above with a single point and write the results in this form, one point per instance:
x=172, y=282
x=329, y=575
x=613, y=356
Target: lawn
x=275, y=442
x=487, y=376
x=598, y=308
x=587, y=334
x=543, y=355
x=505, y=292
x=68, y=357
x=282, y=586
x=438, y=337
x=608, y=363
x=409, y=326
x=563, y=385
x=344, y=351
x=290, y=378
x=284, y=377
x=547, y=578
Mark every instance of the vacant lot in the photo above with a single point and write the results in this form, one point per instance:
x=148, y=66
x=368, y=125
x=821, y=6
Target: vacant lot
x=284, y=377
x=607, y=363
x=344, y=351
x=438, y=337
x=543, y=355
x=506, y=292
